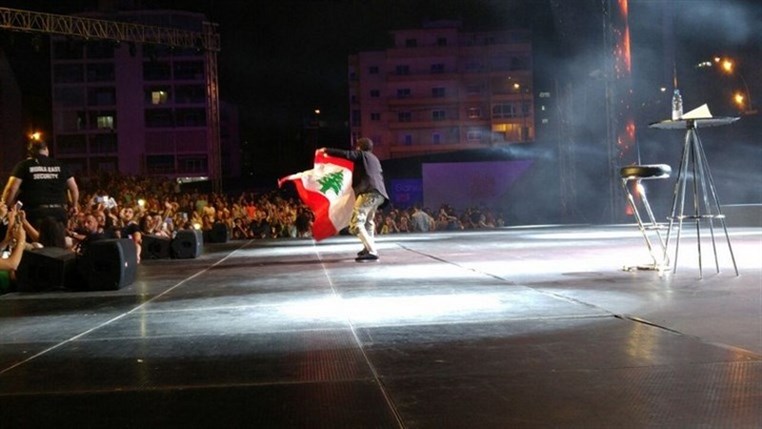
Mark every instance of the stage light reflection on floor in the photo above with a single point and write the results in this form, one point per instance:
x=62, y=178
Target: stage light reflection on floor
x=392, y=309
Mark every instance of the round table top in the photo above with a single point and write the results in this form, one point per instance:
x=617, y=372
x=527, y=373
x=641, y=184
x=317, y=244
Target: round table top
x=682, y=124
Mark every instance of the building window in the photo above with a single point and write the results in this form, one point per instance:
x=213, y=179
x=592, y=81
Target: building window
x=105, y=121
x=68, y=73
x=190, y=117
x=100, y=50
x=70, y=144
x=101, y=97
x=407, y=139
x=159, y=97
x=474, y=88
x=160, y=164
x=403, y=93
x=411, y=43
x=474, y=113
x=67, y=50
x=373, y=70
x=402, y=70
x=107, y=165
x=356, y=118
x=100, y=72
x=473, y=66
x=506, y=110
x=375, y=93
x=436, y=138
x=474, y=136
x=441, y=41
x=437, y=68
x=70, y=120
x=190, y=94
x=189, y=70
x=157, y=70
x=192, y=164
x=375, y=116
x=437, y=92
x=438, y=115
x=69, y=96
x=520, y=63
x=157, y=118
x=103, y=143
x=404, y=117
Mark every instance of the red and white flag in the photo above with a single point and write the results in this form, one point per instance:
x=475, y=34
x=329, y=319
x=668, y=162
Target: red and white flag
x=327, y=190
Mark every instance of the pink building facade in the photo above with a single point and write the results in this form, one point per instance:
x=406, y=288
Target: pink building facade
x=439, y=89
x=138, y=109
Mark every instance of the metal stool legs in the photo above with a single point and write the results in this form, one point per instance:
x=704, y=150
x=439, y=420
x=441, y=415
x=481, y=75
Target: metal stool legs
x=638, y=173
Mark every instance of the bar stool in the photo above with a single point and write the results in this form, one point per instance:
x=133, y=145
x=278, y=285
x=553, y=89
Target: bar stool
x=639, y=173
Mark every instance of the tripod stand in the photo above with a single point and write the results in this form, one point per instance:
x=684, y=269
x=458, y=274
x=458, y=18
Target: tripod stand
x=694, y=168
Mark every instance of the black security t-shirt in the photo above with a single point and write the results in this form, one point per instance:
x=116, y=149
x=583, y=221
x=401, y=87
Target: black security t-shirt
x=43, y=181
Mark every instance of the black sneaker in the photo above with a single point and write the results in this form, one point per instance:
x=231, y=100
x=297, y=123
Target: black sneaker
x=362, y=252
x=368, y=257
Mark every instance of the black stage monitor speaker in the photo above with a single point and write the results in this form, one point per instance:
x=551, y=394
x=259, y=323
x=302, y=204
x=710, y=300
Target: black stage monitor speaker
x=218, y=233
x=109, y=264
x=49, y=268
x=187, y=244
x=155, y=247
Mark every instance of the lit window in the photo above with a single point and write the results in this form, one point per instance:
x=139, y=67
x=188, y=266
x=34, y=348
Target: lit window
x=474, y=113
x=158, y=97
x=105, y=122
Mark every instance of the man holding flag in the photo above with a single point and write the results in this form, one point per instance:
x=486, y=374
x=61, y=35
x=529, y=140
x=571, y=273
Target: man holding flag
x=345, y=188
x=370, y=194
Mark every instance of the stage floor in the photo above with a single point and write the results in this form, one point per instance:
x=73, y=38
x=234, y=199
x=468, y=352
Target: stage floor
x=517, y=327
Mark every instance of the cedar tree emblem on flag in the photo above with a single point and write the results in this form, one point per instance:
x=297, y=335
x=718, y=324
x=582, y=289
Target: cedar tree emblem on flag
x=327, y=191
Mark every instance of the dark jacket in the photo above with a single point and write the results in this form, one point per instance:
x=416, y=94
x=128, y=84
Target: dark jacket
x=368, y=175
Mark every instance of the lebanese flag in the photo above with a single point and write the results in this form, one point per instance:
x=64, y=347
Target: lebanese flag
x=327, y=190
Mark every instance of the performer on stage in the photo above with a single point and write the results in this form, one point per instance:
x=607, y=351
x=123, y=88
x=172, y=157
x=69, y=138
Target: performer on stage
x=370, y=194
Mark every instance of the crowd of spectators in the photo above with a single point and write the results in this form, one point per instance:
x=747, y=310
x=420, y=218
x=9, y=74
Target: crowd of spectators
x=117, y=206
x=161, y=207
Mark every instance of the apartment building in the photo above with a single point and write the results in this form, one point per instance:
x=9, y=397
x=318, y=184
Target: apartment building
x=440, y=89
x=136, y=108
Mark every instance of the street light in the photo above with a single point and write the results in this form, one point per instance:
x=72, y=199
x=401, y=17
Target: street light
x=524, y=133
x=728, y=66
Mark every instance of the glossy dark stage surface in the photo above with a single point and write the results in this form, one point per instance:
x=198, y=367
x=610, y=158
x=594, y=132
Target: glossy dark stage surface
x=517, y=327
